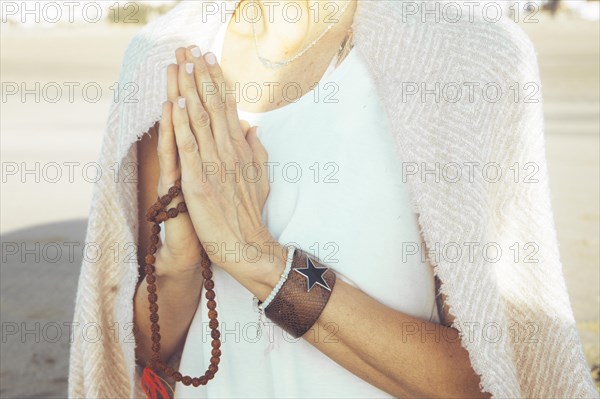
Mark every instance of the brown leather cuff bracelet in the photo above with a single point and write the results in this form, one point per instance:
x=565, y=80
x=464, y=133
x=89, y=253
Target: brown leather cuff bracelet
x=303, y=295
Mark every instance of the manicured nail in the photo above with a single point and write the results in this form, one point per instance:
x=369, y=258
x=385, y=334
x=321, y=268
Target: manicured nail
x=196, y=53
x=181, y=102
x=211, y=58
x=189, y=68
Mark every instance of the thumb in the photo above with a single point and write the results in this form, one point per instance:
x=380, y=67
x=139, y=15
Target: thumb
x=258, y=150
x=245, y=126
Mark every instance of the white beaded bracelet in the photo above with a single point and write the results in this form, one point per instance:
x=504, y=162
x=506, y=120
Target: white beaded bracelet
x=288, y=266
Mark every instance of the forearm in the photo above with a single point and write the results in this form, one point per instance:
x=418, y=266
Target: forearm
x=178, y=300
x=400, y=354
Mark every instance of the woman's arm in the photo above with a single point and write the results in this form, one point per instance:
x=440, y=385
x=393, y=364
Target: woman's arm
x=179, y=291
x=400, y=354
x=178, y=301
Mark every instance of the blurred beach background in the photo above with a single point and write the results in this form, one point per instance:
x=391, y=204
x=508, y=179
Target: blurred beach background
x=43, y=215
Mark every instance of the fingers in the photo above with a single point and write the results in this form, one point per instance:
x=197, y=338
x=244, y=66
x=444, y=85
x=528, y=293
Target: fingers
x=179, y=229
x=180, y=55
x=227, y=97
x=167, y=151
x=187, y=146
x=199, y=119
x=172, y=85
x=219, y=135
x=166, y=148
x=210, y=96
x=169, y=169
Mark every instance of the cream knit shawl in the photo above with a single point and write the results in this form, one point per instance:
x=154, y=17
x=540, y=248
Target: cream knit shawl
x=515, y=318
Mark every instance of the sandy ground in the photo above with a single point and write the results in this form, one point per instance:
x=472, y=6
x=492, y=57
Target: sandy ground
x=53, y=214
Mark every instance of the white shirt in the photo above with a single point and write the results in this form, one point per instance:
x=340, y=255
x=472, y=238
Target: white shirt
x=336, y=191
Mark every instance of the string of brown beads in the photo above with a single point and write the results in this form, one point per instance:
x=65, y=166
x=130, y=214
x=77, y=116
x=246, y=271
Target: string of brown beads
x=157, y=214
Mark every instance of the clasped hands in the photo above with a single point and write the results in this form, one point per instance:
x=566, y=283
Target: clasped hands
x=222, y=166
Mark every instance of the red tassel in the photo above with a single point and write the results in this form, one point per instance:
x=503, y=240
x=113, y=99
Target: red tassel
x=153, y=385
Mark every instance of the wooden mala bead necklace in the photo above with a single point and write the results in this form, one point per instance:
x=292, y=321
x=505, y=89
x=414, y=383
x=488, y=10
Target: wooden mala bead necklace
x=151, y=382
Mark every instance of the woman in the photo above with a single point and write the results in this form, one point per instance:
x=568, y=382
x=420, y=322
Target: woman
x=379, y=331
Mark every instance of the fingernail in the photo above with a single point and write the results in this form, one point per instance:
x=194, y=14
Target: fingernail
x=189, y=68
x=196, y=53
x=181, y=102
x=211, y=58
x=258, y=131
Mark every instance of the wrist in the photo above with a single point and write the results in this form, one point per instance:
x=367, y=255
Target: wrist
x=261, y=272
x=168, y=268
x=271, y=264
